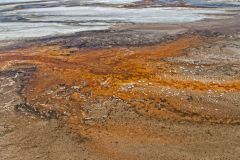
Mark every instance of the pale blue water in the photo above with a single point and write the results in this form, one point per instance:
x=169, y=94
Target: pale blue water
x=16, y=1
x=19, y=20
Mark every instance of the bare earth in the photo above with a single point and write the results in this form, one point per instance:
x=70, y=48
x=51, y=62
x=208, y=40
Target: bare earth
x=133, y=92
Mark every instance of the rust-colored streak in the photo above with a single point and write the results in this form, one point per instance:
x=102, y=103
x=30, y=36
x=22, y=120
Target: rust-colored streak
x=110, y=72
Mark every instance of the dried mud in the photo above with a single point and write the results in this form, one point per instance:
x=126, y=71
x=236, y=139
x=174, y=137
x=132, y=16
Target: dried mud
x=174, y=98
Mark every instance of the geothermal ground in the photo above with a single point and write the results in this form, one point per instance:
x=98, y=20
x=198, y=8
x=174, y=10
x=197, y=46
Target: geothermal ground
x=133, y=91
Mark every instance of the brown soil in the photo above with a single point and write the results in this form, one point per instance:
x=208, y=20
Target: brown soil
x=178, y=99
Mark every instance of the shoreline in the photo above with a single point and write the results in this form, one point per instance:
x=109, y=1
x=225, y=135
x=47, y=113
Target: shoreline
x=164, y=29
x=159, y=91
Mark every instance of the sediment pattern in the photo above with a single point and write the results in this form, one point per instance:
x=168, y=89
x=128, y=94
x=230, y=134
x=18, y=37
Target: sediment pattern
x=139, y=91
x=154, y=80
x=123, y=94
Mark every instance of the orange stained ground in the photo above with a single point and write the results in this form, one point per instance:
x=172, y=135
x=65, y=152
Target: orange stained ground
x=106, y=73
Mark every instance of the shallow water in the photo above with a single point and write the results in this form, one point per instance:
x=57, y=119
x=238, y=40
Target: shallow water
x=15, y=1
x=58, y=17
